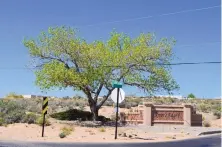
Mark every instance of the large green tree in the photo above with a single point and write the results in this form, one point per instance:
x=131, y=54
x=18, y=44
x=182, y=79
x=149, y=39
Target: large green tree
x=62, y=59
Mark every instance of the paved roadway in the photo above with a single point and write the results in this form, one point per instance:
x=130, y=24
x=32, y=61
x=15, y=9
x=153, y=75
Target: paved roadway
x=205, y=141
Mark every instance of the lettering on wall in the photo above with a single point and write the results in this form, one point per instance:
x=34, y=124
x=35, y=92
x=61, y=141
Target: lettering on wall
x=168, y=115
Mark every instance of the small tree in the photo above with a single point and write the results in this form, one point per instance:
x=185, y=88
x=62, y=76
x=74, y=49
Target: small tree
x=191, y=96
x=64, y=60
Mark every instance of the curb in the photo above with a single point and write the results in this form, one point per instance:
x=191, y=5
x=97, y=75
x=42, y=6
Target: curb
x=209, y=132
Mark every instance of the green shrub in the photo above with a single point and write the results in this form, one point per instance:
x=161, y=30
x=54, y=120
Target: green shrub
x=2, y=121
x=30, y=118
x=67, y=130
x=74, y=114
x=62, y=135
x=11, y=112
x=39, y=121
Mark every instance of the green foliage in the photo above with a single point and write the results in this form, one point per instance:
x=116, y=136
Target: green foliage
x=2, y=121
x=13, y=95
x=72, y=114
x=39, y=121
x=66, y=60
x=67, y=130
x=30, y=118
x=11, y=112
x=62, y=135
x=191, y=96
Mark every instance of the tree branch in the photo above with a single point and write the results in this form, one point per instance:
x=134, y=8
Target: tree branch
x=98, y=91
x=53, y=58
x=136, y=84
x=104, y=99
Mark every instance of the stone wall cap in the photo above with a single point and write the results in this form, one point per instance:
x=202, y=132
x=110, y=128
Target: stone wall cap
x=187, y=105
x=148, y=104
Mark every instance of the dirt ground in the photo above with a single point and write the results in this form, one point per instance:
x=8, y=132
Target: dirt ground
x=32, y=132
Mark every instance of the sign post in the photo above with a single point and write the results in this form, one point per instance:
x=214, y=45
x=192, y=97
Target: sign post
x=117, y=109
x=117, y=92
x=44, y=112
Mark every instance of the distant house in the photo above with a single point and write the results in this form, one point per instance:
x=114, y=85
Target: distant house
x=32, y=96
x=171, y=96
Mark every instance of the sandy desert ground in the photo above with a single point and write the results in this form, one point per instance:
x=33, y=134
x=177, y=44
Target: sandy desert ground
x=32, y=132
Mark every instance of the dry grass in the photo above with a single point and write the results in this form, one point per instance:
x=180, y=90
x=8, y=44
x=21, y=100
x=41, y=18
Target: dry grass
x=102, y=130
x=67, y=130
x=206, y=124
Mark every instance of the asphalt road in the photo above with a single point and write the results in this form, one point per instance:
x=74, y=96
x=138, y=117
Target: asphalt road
x=206, y=141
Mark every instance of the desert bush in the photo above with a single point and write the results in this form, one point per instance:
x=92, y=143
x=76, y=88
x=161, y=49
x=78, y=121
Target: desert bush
x=2, y=121
x=67, y=130
x=39, y=121
x=77, y=104
x=158, y=101
x=13, y=95
x=82, y=107
x=203, y=107
x=62, y=135
x=30, y=118
x=133, y=104
x=29, y=105
x=206, y=124
x=203, y=118
x=113, y=117
x=217, y=114
x=11, y=112
x=169, y=100
x=217, y=110
x=102, y=130
x=74, y=114
x=128, y=106
x=108, y=103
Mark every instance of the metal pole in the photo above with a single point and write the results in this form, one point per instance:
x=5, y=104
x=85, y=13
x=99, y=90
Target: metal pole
x=117, y=112
x=43, y=124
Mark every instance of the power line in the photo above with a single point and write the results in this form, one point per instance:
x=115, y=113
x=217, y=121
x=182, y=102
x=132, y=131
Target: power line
x=147, y=17
x=170, y=64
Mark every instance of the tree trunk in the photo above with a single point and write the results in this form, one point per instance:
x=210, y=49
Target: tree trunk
x=95, y=114
x=94, y=109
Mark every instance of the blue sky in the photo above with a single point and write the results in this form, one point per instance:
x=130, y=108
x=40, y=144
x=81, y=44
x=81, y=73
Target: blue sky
x=199, y=29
